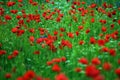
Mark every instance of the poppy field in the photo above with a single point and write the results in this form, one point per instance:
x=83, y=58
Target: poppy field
x=59, y=40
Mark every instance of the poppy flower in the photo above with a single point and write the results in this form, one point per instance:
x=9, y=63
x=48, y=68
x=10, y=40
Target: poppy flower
x=93, y=5
x=61, y=76
x=80, y=27
x=47, y=1
x=87, y=31
x=49, y=63
x=92, y=71
x=99, y=77
x=10, y=3
x=32, y=30
x=96, y=61
x=81, y=42
x=29, y=75
x=70, y=34
x=83, y=61
x=10, y=57
x=77, y=69
x=119, y=22
x=36, y=52
x=92, y=40
x=20, y=1
x=112, y=52
x=118, y=61
x=14, y=11
x=15, y=53
x=55, y=32
x=109, y=14
x=62, y=29
x=77, y=33
x=56, y=68
x=63, y=59
x=92, y=20
x=101, y=42
x=105, y=49
x=2, y=52
x=104, y=29
x=14, y=30
x=117, y=72
x=107, y=66
x=31, y=38
x=57, y=60
x=20, y=78
x=8, y=75
x=58, y=19
x=8, y=17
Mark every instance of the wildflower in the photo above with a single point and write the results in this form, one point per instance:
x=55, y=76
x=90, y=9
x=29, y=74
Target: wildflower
x=56, y=68
x=83, y=60
x=96, y=61
x=91, y=71
x=107, y=66
x=61, y=76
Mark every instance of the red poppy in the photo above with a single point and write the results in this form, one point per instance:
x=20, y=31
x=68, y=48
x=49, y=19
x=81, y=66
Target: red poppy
x=32, y=30
x=81, y=42
x=70, y=34
x=80, y=27
x=14, y=30
x=61, y=76
x=10, y=57
x=56, y=68
x=58, y=19
x=91, y=71
x=62, y=29
x=47, y=1
x=107, y=66
x=18, y=16
x=15, y=53
x=92, y=20
x=92, y=40
x=20, y=1
x=63, y=59
x=29, y=75
x=55, y=32
x=87, y=31
x=49, y=63
x=109, y=14
x=10, y=3
x=77, y=69
x=105, y=49
x=2, y=52
x=77, y=33
x=36, y=52
x=31, y=38
x=104, y=29
x=101, y=42
x=83, y=60
x=20, y=78
x=112, y=52
x=93, y=5
x=8, y=75
x=118, y=61
x=99, y=77
x=57, y=60
x=8, y=17
x=117, y=71
x=96, y=61
x=14, y=11
x=104, y=5
x=119, y=22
